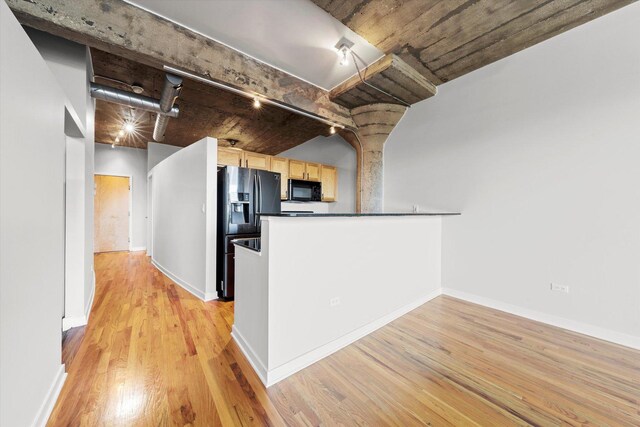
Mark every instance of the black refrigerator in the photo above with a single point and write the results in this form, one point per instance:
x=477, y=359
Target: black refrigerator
x=242, y=194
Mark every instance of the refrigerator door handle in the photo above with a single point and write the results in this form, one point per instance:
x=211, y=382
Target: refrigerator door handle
x=260, y=191
x=255, y=199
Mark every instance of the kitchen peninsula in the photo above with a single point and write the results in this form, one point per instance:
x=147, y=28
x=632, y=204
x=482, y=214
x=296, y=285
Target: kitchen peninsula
x=315, y=283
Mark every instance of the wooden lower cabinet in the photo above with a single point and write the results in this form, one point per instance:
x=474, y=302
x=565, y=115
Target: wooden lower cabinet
x=329, y=183
x=230, y=156
x=281, y=165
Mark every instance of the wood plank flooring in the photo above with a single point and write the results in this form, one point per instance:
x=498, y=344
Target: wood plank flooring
x=155, y=355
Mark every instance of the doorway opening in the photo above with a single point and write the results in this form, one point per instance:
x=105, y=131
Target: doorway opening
x=112, y=213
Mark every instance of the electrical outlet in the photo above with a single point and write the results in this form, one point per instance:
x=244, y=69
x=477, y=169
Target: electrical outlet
x=334, y=301
x=559, y=288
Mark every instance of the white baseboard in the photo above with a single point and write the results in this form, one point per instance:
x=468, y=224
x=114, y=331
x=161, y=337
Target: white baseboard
x=561, y=322
x=50, y=399
x=87, y=310
x=255, y=362
x=137, y=248
x=74, y=322
x=205, y=296
x=270, y=377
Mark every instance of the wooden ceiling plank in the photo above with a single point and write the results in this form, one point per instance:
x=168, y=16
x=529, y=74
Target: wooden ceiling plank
x=536, y=33
x=131, y=32
x=412, y=19
x=443, y=56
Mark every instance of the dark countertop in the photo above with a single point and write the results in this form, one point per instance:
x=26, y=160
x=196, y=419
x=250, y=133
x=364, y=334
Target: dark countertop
x=253, y=244
x=328, y=215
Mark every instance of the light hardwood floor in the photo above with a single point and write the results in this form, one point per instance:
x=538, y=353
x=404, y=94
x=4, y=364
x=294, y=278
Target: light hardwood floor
x=153, y=354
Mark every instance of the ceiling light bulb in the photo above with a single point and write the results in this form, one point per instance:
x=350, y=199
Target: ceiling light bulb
x=344, y=58
x=129, y=127
x=256, y=103
x=113, y=145
x=332, y=130
x=121, y=133
x=343, y=49
x=117, y=139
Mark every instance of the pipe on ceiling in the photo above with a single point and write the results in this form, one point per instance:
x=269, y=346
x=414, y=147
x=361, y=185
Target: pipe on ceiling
x=129, y=99
x=170, y=92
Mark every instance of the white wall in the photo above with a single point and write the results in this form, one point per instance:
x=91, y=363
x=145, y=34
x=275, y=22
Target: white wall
x=126, y=161
x=32, y=151
x=67, y=62
x=157, y=152
x=183, y=200
x=74, y=300
x=89, y=163
x=333, y=151
x=71, y=66
x=539, y=152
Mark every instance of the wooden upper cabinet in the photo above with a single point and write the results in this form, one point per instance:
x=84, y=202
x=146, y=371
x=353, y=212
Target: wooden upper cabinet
x=287, y=168
x=329, y=183
x=256, y=161
x=313, y=171
x=303, y=170
x=297, y=169
x=281, y=165
x=230, y=156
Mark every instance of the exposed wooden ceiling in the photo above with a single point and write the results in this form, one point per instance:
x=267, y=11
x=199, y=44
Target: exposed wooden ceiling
x=445, y=39
x=204, y=111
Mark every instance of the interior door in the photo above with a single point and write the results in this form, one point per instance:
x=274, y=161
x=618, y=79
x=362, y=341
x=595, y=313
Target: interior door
x=111, y=213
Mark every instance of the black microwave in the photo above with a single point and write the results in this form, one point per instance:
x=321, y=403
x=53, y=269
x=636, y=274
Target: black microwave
x=304, y=191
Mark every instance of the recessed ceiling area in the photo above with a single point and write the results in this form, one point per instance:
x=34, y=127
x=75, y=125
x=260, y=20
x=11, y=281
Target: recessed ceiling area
x=295, y=36
x=204, y=111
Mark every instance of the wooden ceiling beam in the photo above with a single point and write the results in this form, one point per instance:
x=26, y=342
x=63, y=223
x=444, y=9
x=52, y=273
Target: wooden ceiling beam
x=390, y=74
x=133, y=33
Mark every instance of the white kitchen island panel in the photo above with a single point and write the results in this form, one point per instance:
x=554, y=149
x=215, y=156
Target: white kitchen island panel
x=319, y=283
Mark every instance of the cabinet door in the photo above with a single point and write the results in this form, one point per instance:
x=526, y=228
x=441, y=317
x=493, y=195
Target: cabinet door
x=256, y=161
x=329, y=183
x=229, y=156
x=281, y=165
x=313, y=171
x=297, y=169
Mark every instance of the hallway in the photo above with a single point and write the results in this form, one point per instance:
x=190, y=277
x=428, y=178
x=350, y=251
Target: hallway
x=153, y=354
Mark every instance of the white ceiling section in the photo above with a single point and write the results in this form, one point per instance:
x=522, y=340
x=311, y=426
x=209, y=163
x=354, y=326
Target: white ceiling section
x=295, y=36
